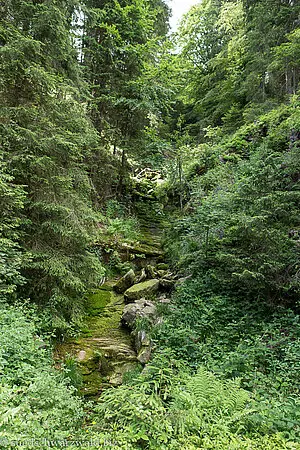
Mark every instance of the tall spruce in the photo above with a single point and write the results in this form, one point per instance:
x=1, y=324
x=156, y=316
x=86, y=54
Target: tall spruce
x=46, y=137
x=120, y=39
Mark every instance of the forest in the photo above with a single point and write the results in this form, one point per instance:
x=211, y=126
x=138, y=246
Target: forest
x=149, y=225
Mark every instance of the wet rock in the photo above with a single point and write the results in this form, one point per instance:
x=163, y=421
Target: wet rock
x=138, y=309
x=125, y=282
x=144, y=289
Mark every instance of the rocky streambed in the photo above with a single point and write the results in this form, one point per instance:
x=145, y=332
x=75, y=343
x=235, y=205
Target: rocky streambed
x=110, y=345
x=104, y=349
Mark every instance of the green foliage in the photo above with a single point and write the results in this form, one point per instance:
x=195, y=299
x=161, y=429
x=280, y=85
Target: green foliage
x=71, y=372
x=45, y=137
x=238, y=234
x=11, y=258
x=167, y=407
x=233, y=338
x=226, y=370
x=233, y=55
x=120, y=39
x=35, y=400
x=243, y=234
x=126, y=229
x=121, y=224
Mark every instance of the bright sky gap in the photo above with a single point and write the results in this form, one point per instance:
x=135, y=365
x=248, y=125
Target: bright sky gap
x=179, y=7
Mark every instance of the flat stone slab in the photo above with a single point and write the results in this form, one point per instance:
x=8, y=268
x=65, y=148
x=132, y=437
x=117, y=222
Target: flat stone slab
x=144, y=289
x=113, y=349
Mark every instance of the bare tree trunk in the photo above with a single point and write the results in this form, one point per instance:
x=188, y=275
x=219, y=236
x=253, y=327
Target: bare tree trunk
x=180, y=182
x=122, y=172
x=294, y=81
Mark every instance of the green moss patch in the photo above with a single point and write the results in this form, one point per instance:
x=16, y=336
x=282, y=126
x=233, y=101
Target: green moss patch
x=144, y=289
x=107, y=345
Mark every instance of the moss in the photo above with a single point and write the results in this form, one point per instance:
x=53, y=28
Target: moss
x=101, y=334
x=162, y=266
x=108, y=346
x=144, y=285
x=108, y=286
x=97, y=301
x=93, y=383
x=144, y=289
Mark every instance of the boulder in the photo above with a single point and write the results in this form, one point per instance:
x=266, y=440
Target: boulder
x=141, y=340
x=143, y=346
x=119, y=370
x=138, y=309
x=142, y=277
x=144, y=289
x=125, y=282
x=144, y=355
x=166, y=284
x=150, y=271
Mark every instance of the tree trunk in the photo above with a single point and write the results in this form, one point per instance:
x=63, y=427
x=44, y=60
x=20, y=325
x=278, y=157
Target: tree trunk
x=122, y=173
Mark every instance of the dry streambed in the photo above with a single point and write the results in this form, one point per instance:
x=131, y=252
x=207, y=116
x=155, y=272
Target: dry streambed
x=110, y=345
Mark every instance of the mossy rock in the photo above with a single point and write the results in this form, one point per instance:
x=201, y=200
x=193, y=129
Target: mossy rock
x=144, y=355
x=116, y=378
x=125, y=282
x=166, y=284
x=139, y=309
x=150, y=271
x=144, y=289
x=92, y=384
x=162, y=266
x=104, y=345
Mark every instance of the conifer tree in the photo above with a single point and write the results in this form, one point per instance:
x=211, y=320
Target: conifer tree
x=120, y=38
x=46, y=137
